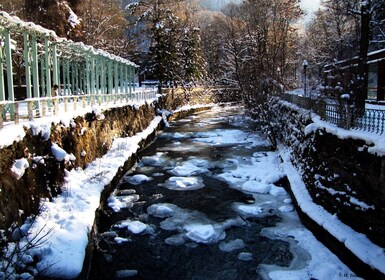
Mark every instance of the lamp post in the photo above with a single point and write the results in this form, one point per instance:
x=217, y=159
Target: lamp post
x=304, y=64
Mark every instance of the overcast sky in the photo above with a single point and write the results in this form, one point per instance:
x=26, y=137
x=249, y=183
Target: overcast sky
x=309, y=7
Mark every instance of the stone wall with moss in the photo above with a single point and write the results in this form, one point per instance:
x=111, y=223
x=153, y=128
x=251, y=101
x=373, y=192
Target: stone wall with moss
x=341, y=175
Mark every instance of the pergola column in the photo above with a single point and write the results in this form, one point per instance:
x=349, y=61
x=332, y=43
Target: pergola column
x=2, y=88
x=48, y=85
x=8, y=62
x=116, y=77
x=27, y=65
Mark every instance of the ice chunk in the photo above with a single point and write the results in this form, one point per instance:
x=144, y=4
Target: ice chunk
x=137, y=179
x=120, y=240
x=231, y=245
x=175, y=240
x=286, y=208
x=117, y=203
x=187, y=169
x=201, y=233
x=252, y=209
x=183, y=183
x=135, y=227
x=162, y=210
x=245, y=256
x=277, y=191
x=256, y=187
x=157, y=160
x=287, y=201
x=126, y=273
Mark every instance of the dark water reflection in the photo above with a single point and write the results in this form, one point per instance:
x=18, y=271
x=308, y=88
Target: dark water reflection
x=147, y=252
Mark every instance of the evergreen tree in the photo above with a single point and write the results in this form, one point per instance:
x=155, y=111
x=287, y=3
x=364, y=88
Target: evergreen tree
x=193, y=61
x=159, y=20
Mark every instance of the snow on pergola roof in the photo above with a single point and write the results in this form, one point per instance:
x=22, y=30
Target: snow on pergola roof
x=72, y=49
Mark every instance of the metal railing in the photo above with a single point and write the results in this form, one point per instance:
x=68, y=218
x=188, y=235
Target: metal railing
x=341, y=114
x=32, y=108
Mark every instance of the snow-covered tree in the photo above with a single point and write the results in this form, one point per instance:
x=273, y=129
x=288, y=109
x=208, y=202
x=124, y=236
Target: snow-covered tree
x=104, y=25
x=167, y=45
x=52, y=14
x=193, y=66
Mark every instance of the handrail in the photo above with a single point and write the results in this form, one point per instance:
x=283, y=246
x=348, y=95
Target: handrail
x=342, y=115
x=32, y=108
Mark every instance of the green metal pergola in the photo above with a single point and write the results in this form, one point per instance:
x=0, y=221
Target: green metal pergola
x=49, y=60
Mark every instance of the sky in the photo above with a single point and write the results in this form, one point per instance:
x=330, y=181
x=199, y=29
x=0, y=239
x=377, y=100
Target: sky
x=309, y=7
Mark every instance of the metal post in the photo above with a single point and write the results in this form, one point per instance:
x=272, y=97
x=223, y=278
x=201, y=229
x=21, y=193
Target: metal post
x=35, y=67
x=55, y=65
x=87, y=73
x=133, y=78
x=8, y=62
x=68, y=82
x=126, y=67
x=116, y=76
x=2, y=88
x=110, y=82
x=47, y=67
x=27, y=65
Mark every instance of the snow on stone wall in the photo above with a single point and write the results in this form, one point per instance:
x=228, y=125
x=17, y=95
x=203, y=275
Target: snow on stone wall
x=341, y=174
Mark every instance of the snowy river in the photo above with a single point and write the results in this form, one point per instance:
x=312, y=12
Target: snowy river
x=207, y=201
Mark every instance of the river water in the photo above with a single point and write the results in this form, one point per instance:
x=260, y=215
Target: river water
x=206, y=201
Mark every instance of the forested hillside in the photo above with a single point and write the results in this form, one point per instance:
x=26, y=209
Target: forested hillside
x=257, y=45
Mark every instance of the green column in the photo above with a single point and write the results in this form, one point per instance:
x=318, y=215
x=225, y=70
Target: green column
x=67, y=74
x=35, y=72
x=132, y=78
x=8, y=62
x=93, y=72
x=97, y=75
x=126, y=82
x=42, y=75
x=27, y=65
x=47, y=67
x=55, y=66
x=129, y=78
x=121, y=76
x=102, y=76
x=110, y=76
x=87, y=75
x=116, y=77
x=2, y=88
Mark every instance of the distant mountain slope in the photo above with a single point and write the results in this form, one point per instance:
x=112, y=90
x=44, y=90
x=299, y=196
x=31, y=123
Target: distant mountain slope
x=215, y=5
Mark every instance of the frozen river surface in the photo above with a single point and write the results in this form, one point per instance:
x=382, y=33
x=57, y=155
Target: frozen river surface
x=207, y=201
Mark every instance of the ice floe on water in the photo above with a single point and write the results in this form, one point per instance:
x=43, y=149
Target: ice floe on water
x=232, y=245
x=187, y=169
x=159, y=159
x=137, y=179
x=204, y=233
x=245, y=256
x=135, y=227
x=117, y=203
x=191, y=225
x=183, y=183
